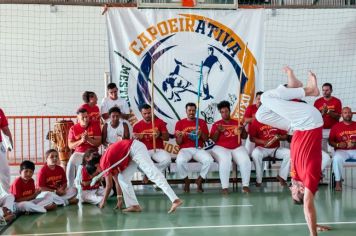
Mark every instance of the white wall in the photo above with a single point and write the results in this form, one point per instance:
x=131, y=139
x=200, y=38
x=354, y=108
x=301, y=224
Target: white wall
x=48, y=59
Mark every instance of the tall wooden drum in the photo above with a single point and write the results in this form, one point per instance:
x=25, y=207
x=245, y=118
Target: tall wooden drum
x=60, y=138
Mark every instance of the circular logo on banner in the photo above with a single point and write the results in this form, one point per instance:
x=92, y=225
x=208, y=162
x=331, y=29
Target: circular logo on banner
x=208, y=53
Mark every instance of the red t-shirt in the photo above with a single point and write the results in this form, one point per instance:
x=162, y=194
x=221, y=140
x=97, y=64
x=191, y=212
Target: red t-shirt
x=19, y=188
x=52, y=179
x=93, y=113
x=3, y=122
x=264, y=132
x=76, y=131
x=251, y=111
x=333, y=104
x=188, y=126
x=86, y=177
x=228, y=138
x=114, y=153
x=144, y=127
x=305, y=150
x=342, y=132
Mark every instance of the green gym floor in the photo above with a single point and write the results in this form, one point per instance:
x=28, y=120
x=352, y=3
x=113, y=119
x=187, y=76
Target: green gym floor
x=265, y=211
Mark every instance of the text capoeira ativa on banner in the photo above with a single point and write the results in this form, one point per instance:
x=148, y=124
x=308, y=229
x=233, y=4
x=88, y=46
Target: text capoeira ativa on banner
x=175, y=44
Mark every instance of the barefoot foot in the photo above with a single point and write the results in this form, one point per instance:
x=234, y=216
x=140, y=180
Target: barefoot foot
x=199, y=183
x=175, y=205
x=135, y=208
x=311, y=88
x=293, y=82
x=323, y=228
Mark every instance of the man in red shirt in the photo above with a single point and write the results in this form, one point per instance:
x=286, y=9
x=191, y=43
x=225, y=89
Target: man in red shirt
x=225, y=133
x=143, y=131
x=185, y=132
x=249, y=117
x=343, y=139
x=133, y=155
x=305, y=121
x=4, y=166
x=330, y=109
x=267, y=140
x=82, y=136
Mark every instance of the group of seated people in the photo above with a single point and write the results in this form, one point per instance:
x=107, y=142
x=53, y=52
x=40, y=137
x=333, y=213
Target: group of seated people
x=142, y=142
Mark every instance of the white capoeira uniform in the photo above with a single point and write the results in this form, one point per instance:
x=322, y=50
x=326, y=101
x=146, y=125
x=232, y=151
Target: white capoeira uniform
x=75, y=160
x=279, y=99
x=4, y=169
x=161, y=157
x=7, y=200
x=267, y=133
x=36, y=205
x=108, y=103
x=224, y=157
x=60, y=200
x=187, y=154
x=141, y=159
x=138, y=154
x=121, y=103
x=228, y=148
x=114, y=134
x=340, y=156
x=281, y=153
x=92, y=196
x=21, y=188
x=278, y=111
x=342, y=132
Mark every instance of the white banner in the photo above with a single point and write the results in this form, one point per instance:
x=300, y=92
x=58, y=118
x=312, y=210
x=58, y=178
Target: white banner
x=180, y=47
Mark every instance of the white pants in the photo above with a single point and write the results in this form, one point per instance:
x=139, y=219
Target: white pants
x=325, y=143
x=281, y=153
x=340, y=156
x=162, y=158
x=7, y=200
x=4, y=169
x=140, y=158
x=325, y=161
x=75, y=160
x=61, y=200
x=94, y=196
x=200, y=155
x=249, y=145
x=224, y=157
x=278, y=111
x=35, y=205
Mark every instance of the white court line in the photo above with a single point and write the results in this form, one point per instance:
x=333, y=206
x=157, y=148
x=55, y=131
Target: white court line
x=185, y=227
x=194, y=207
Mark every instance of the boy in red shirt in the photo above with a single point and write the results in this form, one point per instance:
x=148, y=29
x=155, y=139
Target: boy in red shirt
x=343, y=139
x=51, y=178
x=26, y=195
x=305, y=121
